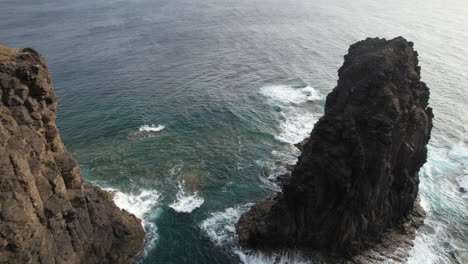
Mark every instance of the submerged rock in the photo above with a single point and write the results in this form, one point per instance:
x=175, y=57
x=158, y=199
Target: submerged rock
x=357, y=175
x=48, y=212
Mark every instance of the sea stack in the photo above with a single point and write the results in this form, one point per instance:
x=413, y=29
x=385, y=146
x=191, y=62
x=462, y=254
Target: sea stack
x=357, y=176
x=48, y=212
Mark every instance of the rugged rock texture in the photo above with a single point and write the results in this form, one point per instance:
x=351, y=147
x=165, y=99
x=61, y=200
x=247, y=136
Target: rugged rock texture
x=48, y=213
x=396, y=243
x=358, y=173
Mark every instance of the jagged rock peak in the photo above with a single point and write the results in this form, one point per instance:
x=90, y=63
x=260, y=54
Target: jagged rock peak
x=48, y=212
x=358, y=172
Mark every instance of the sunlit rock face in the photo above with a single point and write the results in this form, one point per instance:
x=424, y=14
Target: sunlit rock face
x=48, y=212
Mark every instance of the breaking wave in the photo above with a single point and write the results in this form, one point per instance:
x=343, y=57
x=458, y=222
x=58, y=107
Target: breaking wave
x=295, y=125
x=220, y=229
x=220, y=226
x=186, y=202
x=296, y=120
x=284, y=94
x=142, y=205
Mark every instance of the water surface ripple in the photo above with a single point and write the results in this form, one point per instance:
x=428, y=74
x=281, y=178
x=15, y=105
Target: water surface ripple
x=189, y=108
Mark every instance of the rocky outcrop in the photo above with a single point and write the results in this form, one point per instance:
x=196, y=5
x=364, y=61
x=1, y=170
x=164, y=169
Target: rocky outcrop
x=48, y=212
x=357, y=175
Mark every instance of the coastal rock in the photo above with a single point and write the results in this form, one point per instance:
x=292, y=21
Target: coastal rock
x=357, y=176
x=48, y=212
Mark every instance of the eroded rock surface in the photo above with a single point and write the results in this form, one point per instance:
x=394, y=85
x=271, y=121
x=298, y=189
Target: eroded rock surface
x=48, y=212
x=357, y=176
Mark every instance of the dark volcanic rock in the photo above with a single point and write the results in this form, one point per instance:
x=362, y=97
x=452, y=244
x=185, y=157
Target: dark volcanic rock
x=358, y=173
x=48, y=213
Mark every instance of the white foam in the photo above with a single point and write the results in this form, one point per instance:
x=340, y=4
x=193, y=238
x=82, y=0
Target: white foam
x=257, y=257
x=220, y=227
x=151, y=128
x=425, y=203
x=297, y=121
x=137, y=204
x=428, y=247
x=142, y=205
x=463, y=183
x=459, y=153
x=278, y=165
x=312, y=94
x=296, y=126
x=434, y=242
x=186, y=202
x=422, y=252
x=284, y=94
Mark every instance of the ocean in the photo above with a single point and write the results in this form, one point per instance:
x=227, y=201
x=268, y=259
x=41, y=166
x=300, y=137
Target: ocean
x=190, y=108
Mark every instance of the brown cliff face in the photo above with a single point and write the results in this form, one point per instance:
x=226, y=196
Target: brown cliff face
x=358, y=172
x=48, y=212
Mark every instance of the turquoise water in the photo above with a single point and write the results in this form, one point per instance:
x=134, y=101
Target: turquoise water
x=220, y=91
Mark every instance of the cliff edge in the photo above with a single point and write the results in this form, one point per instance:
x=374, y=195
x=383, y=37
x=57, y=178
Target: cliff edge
x=48, y=212
x=357, y=176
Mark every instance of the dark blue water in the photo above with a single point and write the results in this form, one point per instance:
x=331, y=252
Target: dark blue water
x=190, y=108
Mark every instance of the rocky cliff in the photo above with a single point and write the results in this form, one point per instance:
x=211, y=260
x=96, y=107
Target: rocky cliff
x=48, y=213
x=357, y=175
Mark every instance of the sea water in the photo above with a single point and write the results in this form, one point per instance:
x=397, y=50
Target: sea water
x=188, y=109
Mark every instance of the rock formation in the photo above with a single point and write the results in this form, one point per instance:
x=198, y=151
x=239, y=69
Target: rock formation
x=48, y=212
x=357, y=175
